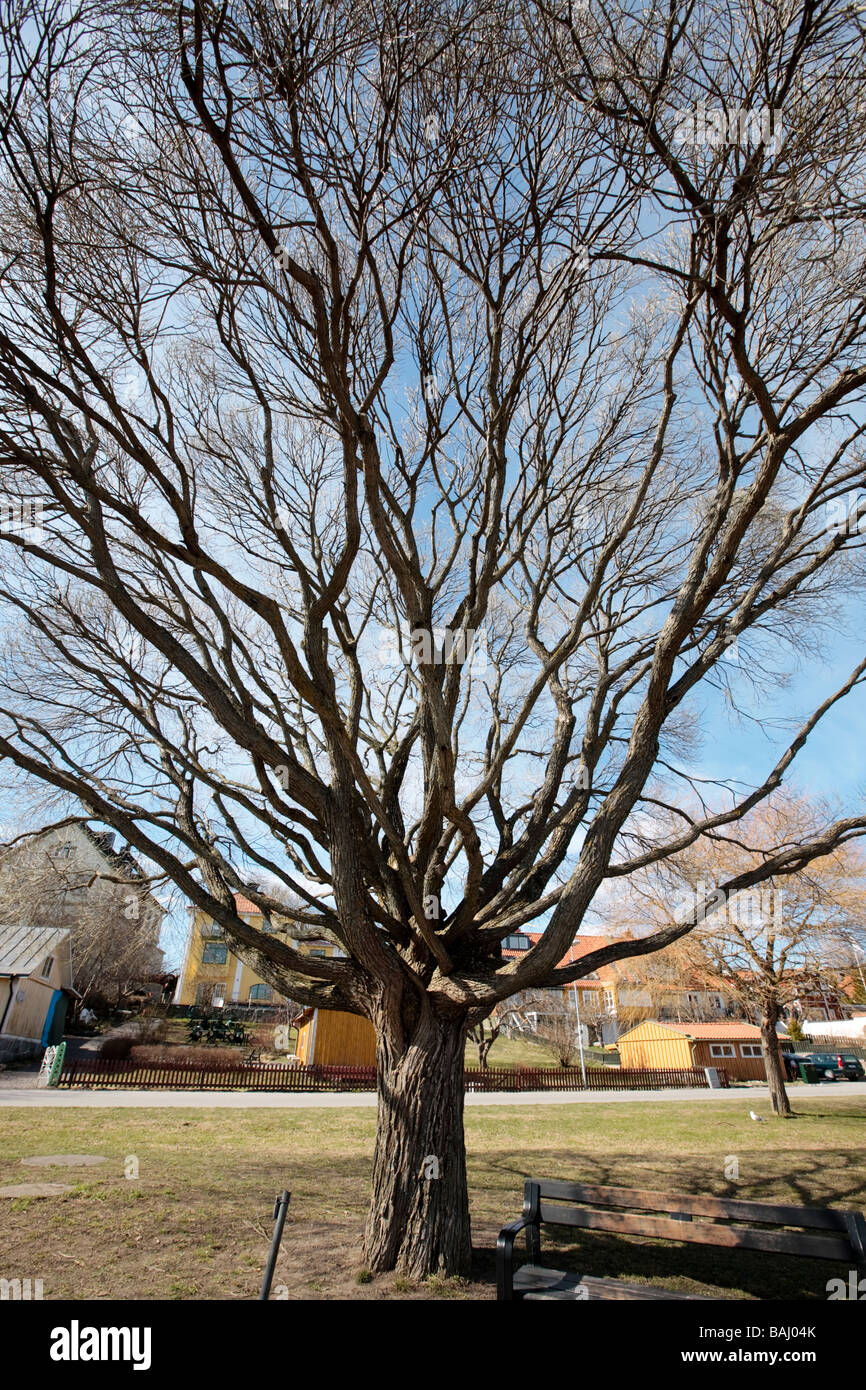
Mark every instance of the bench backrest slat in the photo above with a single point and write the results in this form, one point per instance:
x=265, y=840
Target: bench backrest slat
x=670, y=1203
x=817, y=1245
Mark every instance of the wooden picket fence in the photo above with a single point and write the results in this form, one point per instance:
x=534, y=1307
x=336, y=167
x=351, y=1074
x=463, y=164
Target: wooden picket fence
x=226, y=1076
x=597, y=1079
x=271, y=1076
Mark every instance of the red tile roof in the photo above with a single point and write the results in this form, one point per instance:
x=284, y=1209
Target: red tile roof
x=580, y=947
x=243, y=904
x=711, y=1031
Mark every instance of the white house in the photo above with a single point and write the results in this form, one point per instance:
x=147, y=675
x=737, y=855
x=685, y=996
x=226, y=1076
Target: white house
x=35, y=988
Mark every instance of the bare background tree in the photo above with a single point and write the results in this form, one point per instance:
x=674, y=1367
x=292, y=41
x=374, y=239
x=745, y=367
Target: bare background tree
x=113, y=920
x=558, y=1028
x=762, y=949
x=339, y=340
x=484, y=1035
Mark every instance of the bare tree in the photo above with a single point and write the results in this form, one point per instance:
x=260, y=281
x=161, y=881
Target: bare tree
x=112, y=919
x=404, y=412
x=762, y=948
x=544, y=1018
x=484, y=1035
x=560, y=1031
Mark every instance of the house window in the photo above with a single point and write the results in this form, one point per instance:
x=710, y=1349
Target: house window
x=516, y=943
x=214, y=955
x=610, y=1000
x=260, y=992
x=211, y=929
x=722, y=1050
x=65, y=851
x=318, y=952
x=751, y=1050
x=47, y=967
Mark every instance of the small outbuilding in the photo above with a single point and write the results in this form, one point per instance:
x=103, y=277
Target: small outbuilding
x=734, y=1046
x=35, y=988
x=330, y=1038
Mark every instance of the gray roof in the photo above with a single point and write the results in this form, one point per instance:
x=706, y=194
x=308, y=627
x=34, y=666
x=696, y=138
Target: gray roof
x=22, y=949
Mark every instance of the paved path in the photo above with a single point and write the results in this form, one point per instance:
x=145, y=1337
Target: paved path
x=299, y=1100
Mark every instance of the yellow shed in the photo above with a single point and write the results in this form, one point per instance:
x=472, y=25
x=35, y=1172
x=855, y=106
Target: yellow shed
x=651, y=1044
x=731, y=1044
x=330, y=1038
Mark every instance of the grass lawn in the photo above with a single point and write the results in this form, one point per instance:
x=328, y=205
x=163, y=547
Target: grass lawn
x=196, y=1222
x=525, y=1052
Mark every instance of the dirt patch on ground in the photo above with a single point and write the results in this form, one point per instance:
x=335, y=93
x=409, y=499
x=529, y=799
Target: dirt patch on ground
x=35, y=1189
x=321, y=1261
x=63, y=1160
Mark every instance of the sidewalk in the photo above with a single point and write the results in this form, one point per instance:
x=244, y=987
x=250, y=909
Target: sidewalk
x=328, y=1100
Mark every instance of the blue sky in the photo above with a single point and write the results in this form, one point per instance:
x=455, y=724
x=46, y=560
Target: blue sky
x=832, y=763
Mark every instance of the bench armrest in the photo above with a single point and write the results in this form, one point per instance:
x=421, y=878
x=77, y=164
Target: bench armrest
x=505, y=1257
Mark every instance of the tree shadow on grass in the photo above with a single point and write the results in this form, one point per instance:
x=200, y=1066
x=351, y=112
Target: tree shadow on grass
x=833, y=1178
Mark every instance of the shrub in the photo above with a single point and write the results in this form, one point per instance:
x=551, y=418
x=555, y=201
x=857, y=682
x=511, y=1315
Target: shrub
x=148, y=1056
x=146, y=1030
x=263, y=1036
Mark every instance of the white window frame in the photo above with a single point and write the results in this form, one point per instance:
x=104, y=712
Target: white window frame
x=722, y=1050
x=751, y=1050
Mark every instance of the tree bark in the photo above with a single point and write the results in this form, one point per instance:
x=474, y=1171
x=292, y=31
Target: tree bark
x=418, y=1221
x=773, y=1062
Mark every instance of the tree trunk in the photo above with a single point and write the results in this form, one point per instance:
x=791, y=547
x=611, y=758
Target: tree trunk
x=419, y=1208
x=773, y=1062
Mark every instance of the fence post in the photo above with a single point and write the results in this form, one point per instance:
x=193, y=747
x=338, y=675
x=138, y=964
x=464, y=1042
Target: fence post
x=281, y=1207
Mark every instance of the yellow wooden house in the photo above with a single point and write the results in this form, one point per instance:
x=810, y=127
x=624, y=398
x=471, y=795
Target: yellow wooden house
x=330, y=1038
x=732, y=1045
x=211, y=972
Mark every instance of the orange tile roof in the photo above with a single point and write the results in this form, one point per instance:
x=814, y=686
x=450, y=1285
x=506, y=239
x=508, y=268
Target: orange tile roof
x=243, y=904
x=583, y=946
x=580, y=947
x=711, y=1031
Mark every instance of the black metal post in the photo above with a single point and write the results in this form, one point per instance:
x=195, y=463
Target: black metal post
x=281, y=1207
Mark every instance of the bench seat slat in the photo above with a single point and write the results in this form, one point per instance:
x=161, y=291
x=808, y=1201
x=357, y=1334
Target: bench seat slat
x=534, y=1283
x=669, y=1202
x=827, y=1247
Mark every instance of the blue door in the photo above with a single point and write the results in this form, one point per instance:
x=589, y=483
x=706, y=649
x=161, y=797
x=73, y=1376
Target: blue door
x=55, y=1019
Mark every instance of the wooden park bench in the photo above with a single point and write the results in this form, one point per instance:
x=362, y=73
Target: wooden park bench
x=829, y=1234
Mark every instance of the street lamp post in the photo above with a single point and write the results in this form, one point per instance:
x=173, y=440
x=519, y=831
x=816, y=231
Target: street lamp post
x=579, y=1024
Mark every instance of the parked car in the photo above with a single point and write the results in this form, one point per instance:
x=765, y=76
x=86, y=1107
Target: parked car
x=831, y=1066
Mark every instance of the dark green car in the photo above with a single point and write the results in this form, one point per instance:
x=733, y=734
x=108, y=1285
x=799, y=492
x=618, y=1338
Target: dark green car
x=830, y=1066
